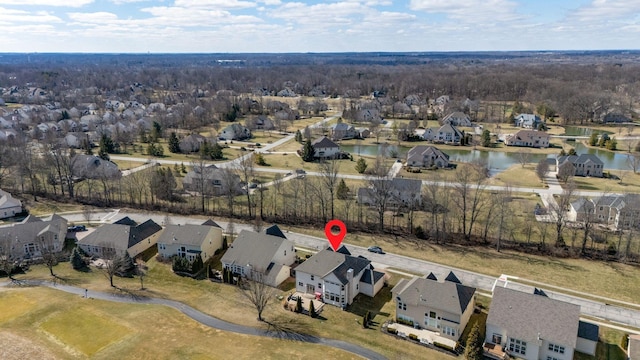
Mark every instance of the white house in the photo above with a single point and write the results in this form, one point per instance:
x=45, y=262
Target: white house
x=532, y=326
x=529, y=121
x=325, y=148
x=9, y=206
x=457, y=118
x=189, y=241
x=337, y=278
x=271, y=256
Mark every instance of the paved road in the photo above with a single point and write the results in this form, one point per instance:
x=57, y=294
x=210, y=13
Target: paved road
x=209, y=320
x=629, y=316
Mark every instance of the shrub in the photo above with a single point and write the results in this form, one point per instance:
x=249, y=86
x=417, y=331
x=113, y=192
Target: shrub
x=442, y=346
x=77, y=262
x=392, y=331
x=413, y=337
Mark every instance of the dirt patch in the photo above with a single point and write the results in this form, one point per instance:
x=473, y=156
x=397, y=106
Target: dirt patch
x=14, y=347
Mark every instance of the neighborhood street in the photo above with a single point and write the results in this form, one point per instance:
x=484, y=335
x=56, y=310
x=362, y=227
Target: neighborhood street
x=604, y=309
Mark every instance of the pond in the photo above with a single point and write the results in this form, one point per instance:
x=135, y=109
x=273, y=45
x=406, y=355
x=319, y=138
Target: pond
x=496, y=160
x=581, y=131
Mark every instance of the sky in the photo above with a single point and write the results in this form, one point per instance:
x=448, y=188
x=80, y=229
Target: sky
x=274, y=26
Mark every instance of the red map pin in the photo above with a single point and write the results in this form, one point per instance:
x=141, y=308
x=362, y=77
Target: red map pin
x=335, y=239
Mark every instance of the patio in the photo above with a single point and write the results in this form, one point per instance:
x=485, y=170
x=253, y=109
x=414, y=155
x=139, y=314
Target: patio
x=306, y=300
x=424, y=336
x=494, y=351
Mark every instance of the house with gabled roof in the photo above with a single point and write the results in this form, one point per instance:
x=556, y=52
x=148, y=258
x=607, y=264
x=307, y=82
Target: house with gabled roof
x=234, y=131
x=342, y=131
x=93, y=167
x=528, y=138
x=584, y=164
x=427, y=156
x=324, y=148
x=532, y=326
x=268, y=255
x=124, y=235
x=457, y=118
x=191, y=143
x=26, y=239
x=444, y=307
x=212, y=181
x=337, y=278
x=9, y=206
x=447, y=134
x=529, y=121
x=189, y=241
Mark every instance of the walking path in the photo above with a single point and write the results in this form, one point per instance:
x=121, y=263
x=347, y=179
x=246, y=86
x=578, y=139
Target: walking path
x=208, y=320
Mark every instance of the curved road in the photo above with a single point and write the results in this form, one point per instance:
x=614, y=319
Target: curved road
x=209, y=320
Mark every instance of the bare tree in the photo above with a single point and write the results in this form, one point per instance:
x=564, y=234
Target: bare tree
x=559, y=208
x=245, y=169
x=566, y=171
x=469, y=188
x=254, y=288
x=49, y=249
x=114, y=262
x=542, y=169
x=523, y=157
x=141, y=271
x=380, y=189
x=329, y=175
x=633, y=162
x=7, y=262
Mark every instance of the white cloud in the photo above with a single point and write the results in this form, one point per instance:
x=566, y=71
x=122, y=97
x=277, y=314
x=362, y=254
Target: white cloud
x=93, y=18
x=12, y=16
x=270, y=2
x=603, y=10
x=120, y=2
x=194, y=17
x=214, y=4
x=62, y=3
x=470, y=11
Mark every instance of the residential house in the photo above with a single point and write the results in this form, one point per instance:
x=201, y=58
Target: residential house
x=260, y=123
x=212, y=180
x=448, y=134
x=457, y=118
x=26, y=240
x=324, y=148
x=337, y=278
x=584, y=164
x=426, y=157
x=120, y=237
x=615, y=117
x=633, y=351
x=618, y=212
x=9, y=206
x=363, y=133
x=532, y=326
x=93, y=167
x=342, y=131
x=528, y=138
x=73, y=141
x=234, y=131
x=189, y=241
x=398, y=192
x=254, y=253
x=444, y=307
x=528, y=121
x=191, y=143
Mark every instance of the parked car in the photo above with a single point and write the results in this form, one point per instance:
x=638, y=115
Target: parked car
x=77, y=228
x=375, y=249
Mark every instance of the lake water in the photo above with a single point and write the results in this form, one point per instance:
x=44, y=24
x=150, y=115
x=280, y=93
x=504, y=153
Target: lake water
x=580, y=131
x=497, y=161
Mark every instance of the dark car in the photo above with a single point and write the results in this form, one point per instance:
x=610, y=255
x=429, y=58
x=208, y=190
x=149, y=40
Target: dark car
x=375, y=249
x=77, y=228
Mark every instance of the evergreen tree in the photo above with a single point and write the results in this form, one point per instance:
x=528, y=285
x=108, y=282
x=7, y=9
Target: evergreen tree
x=603, y=140
x=156, y=131
x=127, y=267
x=308, y=152
x=174, y=143
x=183, y=168
x=572, y=152
x=342, y=192
x=197, y=264
x=216, y=152
x=612, y=144
x=225, y=276
x=77, y=262
x=593, y=139
x=312, y=310
x=225, y=243
x=299, y=136
x=259, y=159
x=365, y=320
x=361, y=166
x=473, y=349
x=299, y=305
x=486, y=138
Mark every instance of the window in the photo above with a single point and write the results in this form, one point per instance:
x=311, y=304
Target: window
x=518, y=346
x=300, y=283
x=556, y=348
x=402, y=306
x=448, y=331
x=312, y=277
x=552, y=358
x=432, y=314
x=496, y=339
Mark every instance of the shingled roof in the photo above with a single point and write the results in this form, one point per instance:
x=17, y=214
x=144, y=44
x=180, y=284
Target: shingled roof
x=448, y=296
x=326, y=262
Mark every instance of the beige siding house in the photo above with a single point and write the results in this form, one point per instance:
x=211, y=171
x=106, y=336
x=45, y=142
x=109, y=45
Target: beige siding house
x=121, y=236
x=27, y=238
x=189, y=241
x=529, y=138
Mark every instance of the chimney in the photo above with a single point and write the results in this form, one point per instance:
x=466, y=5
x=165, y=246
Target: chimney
x=350, y=275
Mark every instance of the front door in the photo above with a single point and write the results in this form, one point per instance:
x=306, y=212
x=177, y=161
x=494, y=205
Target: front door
x=497, y=339
x=311, y=289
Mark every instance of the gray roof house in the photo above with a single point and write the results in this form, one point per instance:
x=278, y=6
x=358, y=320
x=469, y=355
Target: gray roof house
x=427, y=156
x=27, y=238
x=270, y=256
x=234, y=131
x=120, y=237
x=530, y=326
x=189, y=240
x=342, y=131
x=618, y=212
x=446, y=134
x=337, y=278
x=529, y=121
x=324, y=148
x=212, y=181
x=444, y=307
x=457, y=118
x=585, y=164
x=93, y=167
x=9, y=206
x=529, y=138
